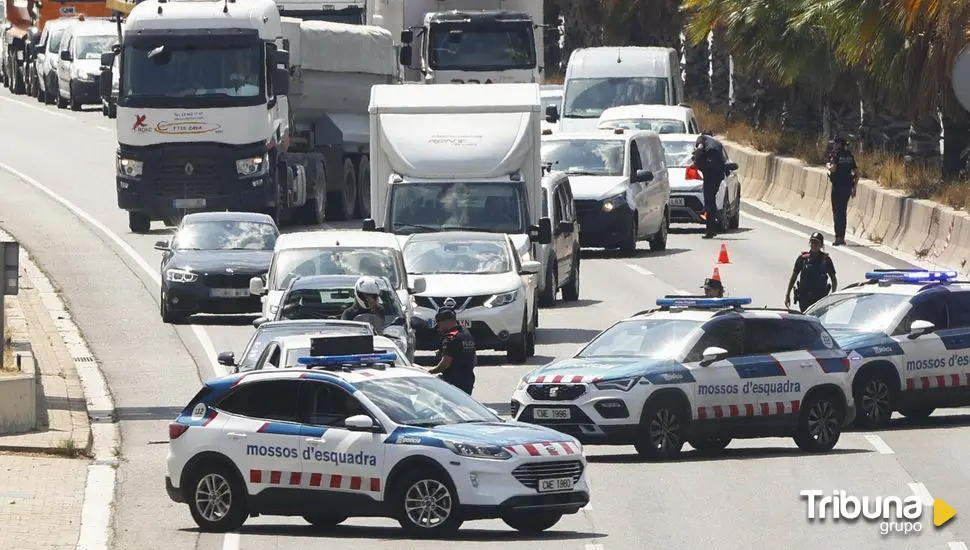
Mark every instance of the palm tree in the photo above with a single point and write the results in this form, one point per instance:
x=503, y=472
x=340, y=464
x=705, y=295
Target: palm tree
x=720, y=71
x=697, y=66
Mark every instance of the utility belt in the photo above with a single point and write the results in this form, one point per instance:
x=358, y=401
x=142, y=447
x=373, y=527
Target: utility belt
x=805, y=295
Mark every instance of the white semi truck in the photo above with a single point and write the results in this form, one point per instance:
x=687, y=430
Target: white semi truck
x=227, y=105
x=453, y=157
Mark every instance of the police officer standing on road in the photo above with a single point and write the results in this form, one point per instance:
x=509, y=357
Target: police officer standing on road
x=456, y=358
x=709, y=159
x=813, y=270
x=713, y=288
x=844, y=176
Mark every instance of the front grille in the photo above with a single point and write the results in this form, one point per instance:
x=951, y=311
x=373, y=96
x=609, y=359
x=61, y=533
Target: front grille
x=461, y=302
x=205, y=179
x=585, y=208
x=530, y=474
x=555, y=392
x=225, y=280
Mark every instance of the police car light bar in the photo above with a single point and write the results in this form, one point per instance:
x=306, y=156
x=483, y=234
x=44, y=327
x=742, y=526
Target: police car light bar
x=703, y=303
x=911, y=275
x=348, y=360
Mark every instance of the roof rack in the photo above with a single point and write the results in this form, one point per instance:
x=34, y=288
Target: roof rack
x=348, y=363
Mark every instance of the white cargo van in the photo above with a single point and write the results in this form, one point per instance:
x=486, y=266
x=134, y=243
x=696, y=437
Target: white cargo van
x=600, y=78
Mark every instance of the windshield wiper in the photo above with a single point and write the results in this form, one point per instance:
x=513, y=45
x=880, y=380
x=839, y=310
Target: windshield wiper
x=417, y=226
x=583, y=173
x=425, y=424
x=470, y=228
x=580, y=116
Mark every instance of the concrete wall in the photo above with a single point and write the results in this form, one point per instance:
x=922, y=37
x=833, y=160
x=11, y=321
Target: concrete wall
x=18, y=393
x=925, y=229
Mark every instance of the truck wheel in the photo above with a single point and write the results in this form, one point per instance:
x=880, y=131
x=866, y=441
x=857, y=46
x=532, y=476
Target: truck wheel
x=346, y=199
x=113, y=110
x=314, y=212
x=139, y=222
x=363, y=187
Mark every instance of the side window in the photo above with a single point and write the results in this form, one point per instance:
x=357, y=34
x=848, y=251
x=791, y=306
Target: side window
x=274, y=358
x=959, y=305
x=324, y=404
x=570, y=201
x=515, y=257
x=560, y=213
x=270, y=400
x=720, y=333
x=764, y=336
x=635, y=162
x=928, y=308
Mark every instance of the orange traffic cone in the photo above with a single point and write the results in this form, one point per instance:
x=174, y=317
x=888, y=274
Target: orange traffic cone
x=717, y=275
x=722, y=258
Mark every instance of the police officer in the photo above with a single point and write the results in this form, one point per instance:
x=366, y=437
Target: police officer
x=813, y=270
x=456, y=358
x=709, y=159
x=713, y=288
x=844, y=176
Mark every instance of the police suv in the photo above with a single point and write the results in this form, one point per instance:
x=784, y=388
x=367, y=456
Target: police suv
x=907, y=332
x=349, y=436
x=696, y=370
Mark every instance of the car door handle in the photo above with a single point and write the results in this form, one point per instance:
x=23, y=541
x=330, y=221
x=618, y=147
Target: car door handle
x=234, y=435
x=315, y=440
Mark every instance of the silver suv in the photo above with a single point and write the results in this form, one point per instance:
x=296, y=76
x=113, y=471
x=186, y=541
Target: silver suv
x=560, y=258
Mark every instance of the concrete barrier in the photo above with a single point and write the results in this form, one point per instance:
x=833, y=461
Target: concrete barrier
x=18, y=393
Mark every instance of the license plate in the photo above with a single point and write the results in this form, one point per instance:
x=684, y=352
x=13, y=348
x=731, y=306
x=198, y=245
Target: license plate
x=555, y=485
x=20, y=55
x=189, y=203
x=229, y=292
x=676, y=201
x=551, y=414
x=462, y=322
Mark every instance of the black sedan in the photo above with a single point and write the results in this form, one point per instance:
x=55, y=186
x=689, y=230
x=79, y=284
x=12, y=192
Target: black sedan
x=207, y=266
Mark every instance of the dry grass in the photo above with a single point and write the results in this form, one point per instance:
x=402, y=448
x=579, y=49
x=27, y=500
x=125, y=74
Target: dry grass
x=887, y=169
x=552, y=79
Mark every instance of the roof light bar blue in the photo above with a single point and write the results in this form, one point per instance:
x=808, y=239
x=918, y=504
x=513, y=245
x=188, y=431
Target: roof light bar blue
x=342, y=360
x=912, y=275
x=703, y=303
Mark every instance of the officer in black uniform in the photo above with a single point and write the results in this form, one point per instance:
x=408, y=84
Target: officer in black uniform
x=456, y=358
x=813, y=271
x=709, y=159
x=713, y=288
x=844, y=176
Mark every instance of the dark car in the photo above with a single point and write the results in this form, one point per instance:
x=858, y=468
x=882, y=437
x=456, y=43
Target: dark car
x=271, y=330
x=207, y=266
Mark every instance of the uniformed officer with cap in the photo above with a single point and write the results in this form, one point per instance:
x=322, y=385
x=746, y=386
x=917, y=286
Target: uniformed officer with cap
x=813, y=271
x=457, y=357
x=713, y=288
x=844, y=175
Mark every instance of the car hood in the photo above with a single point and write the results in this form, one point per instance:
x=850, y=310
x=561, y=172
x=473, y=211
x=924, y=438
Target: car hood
x=679, y=181
x=596, y=187
x=500, y=434
x=572, y=125
x=521, y=241
x=470, y=285
x=254, y=262
x=655, y=371
x=865, y=343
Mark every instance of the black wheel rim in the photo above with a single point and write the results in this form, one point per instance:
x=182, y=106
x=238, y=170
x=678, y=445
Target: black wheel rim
x=823, y=422
x=664, y=430
x=875, y=401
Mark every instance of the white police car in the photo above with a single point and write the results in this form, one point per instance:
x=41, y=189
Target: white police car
x=907, y=333
x=347, y=437
x=700, y=370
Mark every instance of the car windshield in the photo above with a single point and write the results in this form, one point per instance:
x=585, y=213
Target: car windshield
x=679, y=154
x=661, y=126
x=424, y=401
x=487, y=206
x=591, y=157
x=329, y=303
x=482, y=47
x=304, y=262
x=265, y=335
x=293, y=356
x=589, y=97
x=226, y=235
x=435, y=257
x=55, y=41
x=91, y=47
x=858, y=311
x=653, y=338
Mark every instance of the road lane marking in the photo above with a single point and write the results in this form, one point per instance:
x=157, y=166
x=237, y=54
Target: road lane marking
x=879, y=445
x=41, y=109
x=231, y=542
x=639, y=269
x=594, y=547
x=956, y=545
x=920, y=491
x=105, y=128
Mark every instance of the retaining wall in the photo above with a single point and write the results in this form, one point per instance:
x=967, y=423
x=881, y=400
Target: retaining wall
x=18, y=392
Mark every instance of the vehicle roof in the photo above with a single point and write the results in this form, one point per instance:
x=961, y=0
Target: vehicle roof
x=93, y=27
x=459, y=235
x=604, y=135
x=707, y=314
x=902, y=288
x=354, y=376
x=679, y=137
x=477, y=16
x=291, y=341
x=444, y=98
x=227, y=216
x=60, y=22
x=331, y=281
x=259, y=15
x=336, y=238
x=646, y=111
x=554, y=176
x=622, y=62
x=297, y=323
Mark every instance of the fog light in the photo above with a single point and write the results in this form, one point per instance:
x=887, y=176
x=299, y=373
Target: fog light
x=503, y=335
x=473, y=478
x=124, y=184
x=175, y=299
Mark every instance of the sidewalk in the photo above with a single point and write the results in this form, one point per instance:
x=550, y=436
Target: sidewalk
x=43, y=473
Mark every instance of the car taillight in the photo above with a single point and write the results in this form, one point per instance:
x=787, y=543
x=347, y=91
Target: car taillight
x=846, y=363
x=175, y=430
x=693, y=173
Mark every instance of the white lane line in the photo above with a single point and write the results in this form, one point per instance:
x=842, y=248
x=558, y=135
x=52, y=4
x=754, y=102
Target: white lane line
x=879, y=445
x=956, y=545
x=96, y=508
x=594, y=547
x=41, y=109
x=920, y=491
x=231, y=542
x=639, y=269
x=105, y=128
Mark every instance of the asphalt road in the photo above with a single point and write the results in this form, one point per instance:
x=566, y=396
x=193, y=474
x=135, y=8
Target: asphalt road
x=749, y=498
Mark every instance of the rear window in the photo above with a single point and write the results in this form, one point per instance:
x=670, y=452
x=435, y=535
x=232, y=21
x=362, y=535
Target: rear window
x=766, y=336
x=199, y=397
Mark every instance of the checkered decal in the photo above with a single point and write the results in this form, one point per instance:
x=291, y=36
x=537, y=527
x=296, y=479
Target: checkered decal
x=938, y=381
x=749, y=409
x=563, y=379
x=558, y=448
x=306, y=480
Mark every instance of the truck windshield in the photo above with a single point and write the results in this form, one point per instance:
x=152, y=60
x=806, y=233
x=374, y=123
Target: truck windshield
x=480, y=47
x=589, y=97
x=158, y=73
x=450, y=206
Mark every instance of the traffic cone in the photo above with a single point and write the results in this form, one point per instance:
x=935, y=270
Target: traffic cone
x=716, y=275
x=722, y=258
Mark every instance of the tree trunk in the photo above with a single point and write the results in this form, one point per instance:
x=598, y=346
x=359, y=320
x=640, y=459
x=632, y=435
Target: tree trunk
x=924, y=141
x=697, y=66
x=553, y=60
x=720, y=97
x=583, y=26
x=956, y=137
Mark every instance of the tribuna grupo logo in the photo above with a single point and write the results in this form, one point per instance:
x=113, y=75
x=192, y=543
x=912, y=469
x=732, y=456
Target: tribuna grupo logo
x=894, y=514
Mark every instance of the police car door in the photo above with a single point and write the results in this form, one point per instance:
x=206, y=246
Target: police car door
x=776, y=369
x=925, y=364
x=341, y=467
x=717, y=389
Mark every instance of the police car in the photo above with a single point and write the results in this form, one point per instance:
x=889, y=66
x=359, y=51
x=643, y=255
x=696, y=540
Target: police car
x=696, y=370
x=907, y=332
x=350, y=436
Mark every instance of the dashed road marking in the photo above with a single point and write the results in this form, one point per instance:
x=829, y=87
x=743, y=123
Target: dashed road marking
x=594, y=547
x=920, y=491
x=957, y=545
x=231, y=542
x=639, y=269
x=879, y=445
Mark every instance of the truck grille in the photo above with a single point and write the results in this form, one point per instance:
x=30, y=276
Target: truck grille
x=224, y=280
x=555, y=392
x=174, y=179
x=530, y=474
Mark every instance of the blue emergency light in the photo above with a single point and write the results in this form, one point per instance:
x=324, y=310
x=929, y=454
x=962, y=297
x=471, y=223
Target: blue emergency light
x=703, y=303
x=912, y=275
x=348, y=360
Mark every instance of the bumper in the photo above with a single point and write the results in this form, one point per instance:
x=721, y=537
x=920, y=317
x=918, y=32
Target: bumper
x=491, y=328
x=594, y=416
x=87, y=91
x=209, y=297
x=686, y=207
x=173, y=493
x=565, y=503
x=602, y=229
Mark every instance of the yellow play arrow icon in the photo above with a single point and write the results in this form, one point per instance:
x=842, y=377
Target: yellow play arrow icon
x=942, y=512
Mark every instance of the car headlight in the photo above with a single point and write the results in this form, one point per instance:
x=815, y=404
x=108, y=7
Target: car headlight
x=254, y=166
x=522, y=383
x=624, y=384
x=180, y=276
x=473, y=450
x=613, y=203
x=130, y=168
x=502, y=299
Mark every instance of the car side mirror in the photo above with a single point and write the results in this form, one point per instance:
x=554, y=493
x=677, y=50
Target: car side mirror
x=566, y=227
x=40, y=48
x=369, y=225
x=107, y=59
x=281, y=81
x=227, y=358
x=256, y=286
x=530, y=267
x=552, y=114
x=417, y=324
x=405, y=56
x=731, y=166
x=104, y=84
x=920, y=328
x=407, y=36
x=163, y=246
x=360, y=423
x=418, y=285
x=542, y=233
x=713, y=354
x=259, y=321
x=65, y=55
x=643, y=175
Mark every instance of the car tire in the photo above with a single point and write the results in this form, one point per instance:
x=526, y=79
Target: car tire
x=363, y=187
x=112, y=110
x=532, y=523
x=167, y=315
x=324, y=522
x=72, y=98
x=875, y=398
x=548, y=296
x=658, y=243
x=213, y=481
x=139, y=222
x=570, y=290
x=709, y=445
x=724, y=215
x=518, y=350
x=820, y=424
x=917, y=413
x=531, y=338
x=417, y=486
x=662, y=429
x=736, y=215
x=61, y=102
x=628, y=247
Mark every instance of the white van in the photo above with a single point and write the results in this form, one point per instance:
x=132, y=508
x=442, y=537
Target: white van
x=600, y=78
